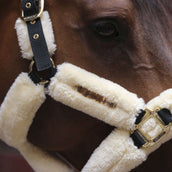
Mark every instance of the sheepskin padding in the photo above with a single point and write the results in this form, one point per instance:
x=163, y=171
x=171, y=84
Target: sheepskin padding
x=117, y=153
x=16, y=115
x=63, y=88
x=23, y=37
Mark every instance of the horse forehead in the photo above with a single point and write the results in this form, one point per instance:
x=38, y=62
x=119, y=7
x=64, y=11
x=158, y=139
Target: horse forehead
x=105, y=5
x=110, y=3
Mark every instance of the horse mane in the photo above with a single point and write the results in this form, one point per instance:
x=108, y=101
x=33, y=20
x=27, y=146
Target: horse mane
x=155, y=9
x=154, y=17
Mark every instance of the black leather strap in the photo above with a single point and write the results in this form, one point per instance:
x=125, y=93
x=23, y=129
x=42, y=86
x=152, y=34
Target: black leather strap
x=39, y=46
x=140, y=116
x=137, y=139
x=165, y=116
x=34, y=77
x=37, y=79
x=41, y=54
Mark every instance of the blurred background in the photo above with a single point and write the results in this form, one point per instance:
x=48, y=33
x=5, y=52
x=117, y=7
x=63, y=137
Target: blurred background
x=11, y=160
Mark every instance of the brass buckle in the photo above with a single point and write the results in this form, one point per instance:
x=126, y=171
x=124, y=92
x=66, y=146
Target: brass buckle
x=35, y=16
x=42, y=82
x=150, y=141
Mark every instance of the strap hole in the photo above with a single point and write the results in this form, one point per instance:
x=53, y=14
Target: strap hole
x=35, y=36
x=28, y=5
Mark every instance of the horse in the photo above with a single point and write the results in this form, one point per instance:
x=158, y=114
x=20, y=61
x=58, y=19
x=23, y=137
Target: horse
x=132, y=47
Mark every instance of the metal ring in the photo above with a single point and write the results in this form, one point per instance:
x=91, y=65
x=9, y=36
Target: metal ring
x=42, y=82
x=33, y=62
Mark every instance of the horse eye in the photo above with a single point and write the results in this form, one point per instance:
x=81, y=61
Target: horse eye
x=106, y=29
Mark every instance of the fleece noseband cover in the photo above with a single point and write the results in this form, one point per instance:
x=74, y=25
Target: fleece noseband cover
x=84, y=91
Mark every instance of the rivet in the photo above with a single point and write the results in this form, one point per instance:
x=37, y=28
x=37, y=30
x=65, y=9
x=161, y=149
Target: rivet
x=28, y=5
x=35, y=36
x=33, y=22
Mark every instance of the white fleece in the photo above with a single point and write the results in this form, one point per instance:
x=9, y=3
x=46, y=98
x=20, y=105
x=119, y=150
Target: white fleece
x=117, y=153
x=23, y=37
x=63, y=88
x=16, y=115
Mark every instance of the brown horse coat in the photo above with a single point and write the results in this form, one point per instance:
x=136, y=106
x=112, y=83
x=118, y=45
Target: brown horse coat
x=141, y=62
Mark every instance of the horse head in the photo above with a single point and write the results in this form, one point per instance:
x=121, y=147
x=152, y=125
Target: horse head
x=127, y=42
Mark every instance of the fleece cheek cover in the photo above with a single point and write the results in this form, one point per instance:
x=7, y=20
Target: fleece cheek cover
x=23, y=37
x=16, y=115
x=18, y=109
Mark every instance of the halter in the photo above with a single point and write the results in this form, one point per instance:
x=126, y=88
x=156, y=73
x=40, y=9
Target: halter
x=141, y=128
